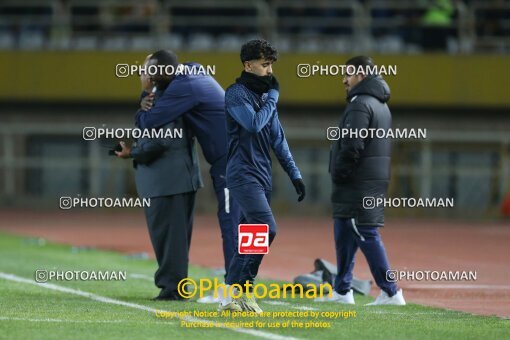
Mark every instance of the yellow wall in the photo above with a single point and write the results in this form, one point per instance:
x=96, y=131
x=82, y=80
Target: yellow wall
x=425, y=80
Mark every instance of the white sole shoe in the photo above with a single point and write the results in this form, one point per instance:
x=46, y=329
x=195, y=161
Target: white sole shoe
x=249, y=304
x=384, y=299
x=232, y=307
x=347, y=298
x=209, y=299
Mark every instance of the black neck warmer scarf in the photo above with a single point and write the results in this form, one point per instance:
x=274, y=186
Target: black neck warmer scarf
x=257, y=84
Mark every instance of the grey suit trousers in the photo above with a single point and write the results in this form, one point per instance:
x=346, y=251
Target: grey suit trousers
x=170, y=223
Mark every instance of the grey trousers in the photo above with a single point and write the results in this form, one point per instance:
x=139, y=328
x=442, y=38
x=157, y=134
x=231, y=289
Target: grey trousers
x=170, y=223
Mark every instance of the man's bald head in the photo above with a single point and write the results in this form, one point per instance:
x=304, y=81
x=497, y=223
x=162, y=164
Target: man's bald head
x=163, y=58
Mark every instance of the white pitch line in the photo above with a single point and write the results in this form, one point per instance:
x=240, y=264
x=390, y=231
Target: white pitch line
x=7, y=318
x=407, y=314
x=277, y=303
x=457, y=286
x=257, y=333
x=304, y=308
x=284, y=303
x=141, y=277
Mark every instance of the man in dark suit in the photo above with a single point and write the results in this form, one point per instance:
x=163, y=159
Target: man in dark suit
x=167, y=172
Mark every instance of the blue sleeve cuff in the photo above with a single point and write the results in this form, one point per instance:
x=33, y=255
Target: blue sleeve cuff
x=296, y=175
x=274, y=94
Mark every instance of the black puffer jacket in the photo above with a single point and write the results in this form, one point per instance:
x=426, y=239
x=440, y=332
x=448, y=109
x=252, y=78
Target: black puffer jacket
x=361, y=167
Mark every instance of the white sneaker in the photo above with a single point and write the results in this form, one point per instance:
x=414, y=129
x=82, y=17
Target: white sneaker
x=225, y=298
x=209, y=299
x=347, y=298
x=232, y=306
x=384, y=299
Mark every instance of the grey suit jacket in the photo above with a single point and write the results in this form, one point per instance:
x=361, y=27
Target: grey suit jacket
x=167, y=166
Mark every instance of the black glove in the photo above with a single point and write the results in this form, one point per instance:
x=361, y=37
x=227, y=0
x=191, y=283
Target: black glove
x=300, y=188
x=274, y=84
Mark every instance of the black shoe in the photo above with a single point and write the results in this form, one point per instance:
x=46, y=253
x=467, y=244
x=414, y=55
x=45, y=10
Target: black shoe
x=329, y=273
x=168, y=297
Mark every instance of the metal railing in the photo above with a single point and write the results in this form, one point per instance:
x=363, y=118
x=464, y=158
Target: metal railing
x=473, y=167
x=201, y=24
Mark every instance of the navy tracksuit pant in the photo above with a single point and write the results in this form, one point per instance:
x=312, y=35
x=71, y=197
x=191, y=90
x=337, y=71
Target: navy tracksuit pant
x=348, y=238
x=228, y=211
x=253, y=202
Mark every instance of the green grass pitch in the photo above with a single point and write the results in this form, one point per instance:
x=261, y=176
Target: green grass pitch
x=29, y=310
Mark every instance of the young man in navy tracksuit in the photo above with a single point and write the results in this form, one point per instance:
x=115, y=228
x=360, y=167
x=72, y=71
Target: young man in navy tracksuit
x=200, y=100
x=253, y=129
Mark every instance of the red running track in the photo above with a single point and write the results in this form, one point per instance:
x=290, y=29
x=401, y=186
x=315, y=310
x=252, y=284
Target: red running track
x=433, y=245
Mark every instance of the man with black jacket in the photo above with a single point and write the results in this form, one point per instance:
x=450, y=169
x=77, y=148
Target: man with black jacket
x=360, y=167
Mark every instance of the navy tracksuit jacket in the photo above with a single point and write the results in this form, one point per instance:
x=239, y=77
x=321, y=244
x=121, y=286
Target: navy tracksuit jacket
x=253, y=129
x=201, y=101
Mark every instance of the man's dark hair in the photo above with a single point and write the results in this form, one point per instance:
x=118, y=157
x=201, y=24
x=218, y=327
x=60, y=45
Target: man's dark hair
x=165, y=57
x=258, y=49
x=360, y=60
